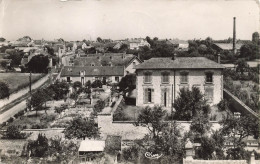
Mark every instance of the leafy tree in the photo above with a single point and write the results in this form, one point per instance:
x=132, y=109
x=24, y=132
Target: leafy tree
x=38, y=64
x=39, y=147
x=4, y=90
x=96, y=84
x=153, y=119
x=99, y=40
x=249, y=51
x=37, y=100
x=2, y=39
x=189, y=103
x=255, y=38
x=13, y=132
x=4, y=64
x=77, y=85
x=241, y=66
x=127, y=83
x=81, y=128
x=236, y=130
x=99, y=106
x=16, y=57
x=223, y=105
x=60, y=89
x=200, y=125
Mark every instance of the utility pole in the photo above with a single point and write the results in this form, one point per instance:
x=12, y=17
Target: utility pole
x=30, y=87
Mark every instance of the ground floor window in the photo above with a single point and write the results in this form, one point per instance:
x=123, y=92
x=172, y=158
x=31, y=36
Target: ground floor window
x=165, y=97
x=82, y=80
x=68, y=79
x=209, y=93
x=148, y=95
x=117, y=79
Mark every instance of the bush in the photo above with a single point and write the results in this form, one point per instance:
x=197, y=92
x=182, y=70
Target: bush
x=4, y=90
x=11, y=119
x=39, y=126
x=13, y=132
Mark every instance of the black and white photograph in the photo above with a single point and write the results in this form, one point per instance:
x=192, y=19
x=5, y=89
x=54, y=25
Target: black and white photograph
x=129, y=81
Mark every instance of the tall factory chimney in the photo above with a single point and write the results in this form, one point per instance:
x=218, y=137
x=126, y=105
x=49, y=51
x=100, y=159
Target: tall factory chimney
x=234, y=36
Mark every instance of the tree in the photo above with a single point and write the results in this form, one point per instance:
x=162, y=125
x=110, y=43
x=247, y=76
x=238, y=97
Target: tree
x=37, y=100
x=38, y=64
x=200, y=125
x=236, y=130
x=81, y=128
x=2, y=39
x=4, y=90
x=99, y=106
x=249, y=51
x=255, y=38
x=153, y=119
x=15, y=56
x=13, y=132
x=60, y=89
x=99, y=40
x=96, y=84
x=189, y=103
x=4, y=64
x=39, y=147
x=241, y=66
x=77, y=85
x=127, y=83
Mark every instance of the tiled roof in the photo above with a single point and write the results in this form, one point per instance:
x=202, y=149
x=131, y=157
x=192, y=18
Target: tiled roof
x=228, y=46
x=177, y=42
x=179, y=63
x=93, y=71
x=100, y=59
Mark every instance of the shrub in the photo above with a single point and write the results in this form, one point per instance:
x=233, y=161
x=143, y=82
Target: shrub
x=39, y=126
x=4, y=90
x=13, y=132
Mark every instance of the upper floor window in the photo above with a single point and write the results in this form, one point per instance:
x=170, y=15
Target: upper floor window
x=209, y=77
x=184, y=77
x=134, y=63
x=117, y=79
x=147, y=77
x=165, y=77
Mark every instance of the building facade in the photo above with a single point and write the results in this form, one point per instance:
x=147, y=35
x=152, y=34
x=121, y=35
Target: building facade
x=89, y=73
x=159, y=80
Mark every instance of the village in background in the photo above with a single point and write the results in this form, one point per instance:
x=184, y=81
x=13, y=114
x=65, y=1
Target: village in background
x=135, y=100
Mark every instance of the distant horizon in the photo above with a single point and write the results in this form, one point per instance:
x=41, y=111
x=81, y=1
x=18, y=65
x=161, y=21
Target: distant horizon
x=116, y=20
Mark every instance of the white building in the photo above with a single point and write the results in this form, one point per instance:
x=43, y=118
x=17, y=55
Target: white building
x=159, y=80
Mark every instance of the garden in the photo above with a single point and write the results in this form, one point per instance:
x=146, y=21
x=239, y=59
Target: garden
x=246, y=89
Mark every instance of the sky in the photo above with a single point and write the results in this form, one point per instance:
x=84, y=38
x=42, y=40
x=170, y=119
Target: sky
x=120, y=19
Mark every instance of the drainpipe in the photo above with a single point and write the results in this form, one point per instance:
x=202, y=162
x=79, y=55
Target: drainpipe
x=173, y=92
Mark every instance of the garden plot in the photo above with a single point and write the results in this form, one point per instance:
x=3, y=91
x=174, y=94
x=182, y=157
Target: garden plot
x=66, y=116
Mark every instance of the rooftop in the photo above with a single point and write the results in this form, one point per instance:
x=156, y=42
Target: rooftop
x=115, y=59
x=228, y=46
x=179, y=63
x=93, y=71
x=92, y=145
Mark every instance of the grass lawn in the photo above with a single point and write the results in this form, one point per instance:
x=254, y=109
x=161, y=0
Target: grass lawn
x=18, y=81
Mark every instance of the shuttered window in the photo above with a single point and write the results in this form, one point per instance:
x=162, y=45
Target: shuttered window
x=147, y=77
x=165, y=100
x=148, y=95
x=165, y=77
x=209, y=77
x=184, y=77
x=209, y=93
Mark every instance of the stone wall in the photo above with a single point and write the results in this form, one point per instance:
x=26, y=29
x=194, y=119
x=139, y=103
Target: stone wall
x=214, y=161
x=195, y=78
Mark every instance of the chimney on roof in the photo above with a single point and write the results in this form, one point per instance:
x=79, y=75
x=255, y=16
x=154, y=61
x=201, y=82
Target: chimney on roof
x=219, y=58
x=174, y=56
x=234, y=36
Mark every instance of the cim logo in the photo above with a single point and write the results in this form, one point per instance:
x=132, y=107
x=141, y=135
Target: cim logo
x=150, y=155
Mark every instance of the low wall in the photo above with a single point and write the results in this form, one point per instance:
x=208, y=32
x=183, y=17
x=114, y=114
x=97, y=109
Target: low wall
x=214, y=161
x=23, y=91
x=129, y=131
x=238, y=104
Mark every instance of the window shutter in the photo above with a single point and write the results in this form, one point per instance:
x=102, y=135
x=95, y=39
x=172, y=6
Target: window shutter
x=152, y=95
x=145, y=95
x=168, y=97
x=162, y=97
